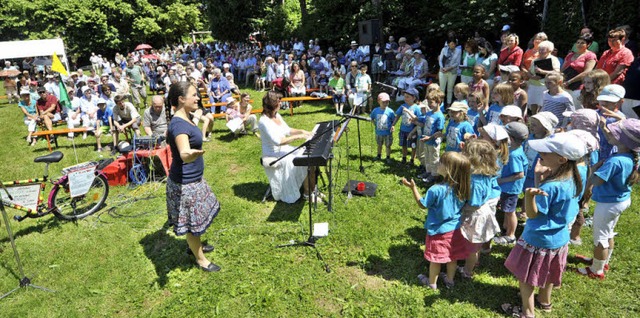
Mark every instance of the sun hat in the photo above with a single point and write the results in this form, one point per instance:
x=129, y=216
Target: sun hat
x=85, y=88
x=384, y=97
x=517, y=130
x=230, y=100
x=354, y=43
x=589, y=140
x=627, y=131
x=101, y=101
x=417, y=52
x=612, y=93
x=496, y=132
x=408, y=52
x=24, y=91
x=566, y=145
x=412, y=91
x=512, y=111
x=459, y=107
x=548, y=120
x=585, y=119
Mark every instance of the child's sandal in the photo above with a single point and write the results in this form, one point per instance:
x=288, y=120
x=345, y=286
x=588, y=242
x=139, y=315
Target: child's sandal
x=541, y=306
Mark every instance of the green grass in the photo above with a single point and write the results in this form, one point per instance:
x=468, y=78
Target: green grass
x=124, y=261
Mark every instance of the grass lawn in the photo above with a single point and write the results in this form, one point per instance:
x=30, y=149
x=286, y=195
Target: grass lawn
x=124, y=260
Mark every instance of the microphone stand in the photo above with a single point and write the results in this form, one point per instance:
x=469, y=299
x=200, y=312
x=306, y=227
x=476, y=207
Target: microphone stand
x=311, y=240
x=25, y=281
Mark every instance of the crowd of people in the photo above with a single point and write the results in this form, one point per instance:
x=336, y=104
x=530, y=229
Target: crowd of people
x=561, y=132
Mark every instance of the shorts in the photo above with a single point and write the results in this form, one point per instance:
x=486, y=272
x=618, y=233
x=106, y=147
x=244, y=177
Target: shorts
x=386, y=140
x=605, y=218
x=103, y=130
x=339, y=99
x=508, y=202
x=135, y=124
x=405, y=141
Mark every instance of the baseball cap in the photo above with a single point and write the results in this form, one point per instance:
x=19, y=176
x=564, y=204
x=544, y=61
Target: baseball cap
x=354, y=43
x=548, y=120
x=459, y=107
x=101, y=101
x=417, y=52
x=41, y=90
x=506, y=27
x=496, y=132
x=612, y=93
x=384, y=97
x=564, y=144
x=627, y=131
x=24, y=91
x=517, y=130
x=412, y=91
x=512, y=111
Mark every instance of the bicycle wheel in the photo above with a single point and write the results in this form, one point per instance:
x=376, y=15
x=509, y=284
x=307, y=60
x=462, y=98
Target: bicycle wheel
x=68, y=208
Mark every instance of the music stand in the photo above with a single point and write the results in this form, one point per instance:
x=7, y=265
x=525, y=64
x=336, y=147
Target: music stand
x=25, y=281
x=311, y=240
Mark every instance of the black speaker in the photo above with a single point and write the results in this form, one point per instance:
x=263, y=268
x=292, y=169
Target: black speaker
x=369, y=32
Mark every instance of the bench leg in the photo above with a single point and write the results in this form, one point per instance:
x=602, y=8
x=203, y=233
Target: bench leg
x=47, y=137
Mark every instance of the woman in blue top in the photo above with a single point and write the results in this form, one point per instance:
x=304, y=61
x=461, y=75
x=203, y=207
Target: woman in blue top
x=444, y=243
x=191, y=205
x=540, y=255
x=612, y=184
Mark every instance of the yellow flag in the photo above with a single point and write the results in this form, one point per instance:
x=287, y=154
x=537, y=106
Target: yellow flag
x=57, y=66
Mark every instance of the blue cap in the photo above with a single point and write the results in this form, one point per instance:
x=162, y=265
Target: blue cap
x=412, y=91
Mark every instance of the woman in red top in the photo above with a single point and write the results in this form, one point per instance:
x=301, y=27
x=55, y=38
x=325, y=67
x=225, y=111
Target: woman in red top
x=616, y=60
x=576, y=66
x=512, y=53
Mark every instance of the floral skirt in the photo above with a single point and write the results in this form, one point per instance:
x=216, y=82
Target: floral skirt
x=481, y=226
x=537, y=266
x=191, y=207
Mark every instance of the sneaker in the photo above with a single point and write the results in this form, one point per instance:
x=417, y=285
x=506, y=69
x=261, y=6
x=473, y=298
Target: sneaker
x=504, y=240
x=256, y=133
x=586, y=271
x=589, y=261
x=99, y=150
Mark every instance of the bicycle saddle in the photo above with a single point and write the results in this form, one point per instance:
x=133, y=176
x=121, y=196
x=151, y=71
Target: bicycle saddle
x=55, y=156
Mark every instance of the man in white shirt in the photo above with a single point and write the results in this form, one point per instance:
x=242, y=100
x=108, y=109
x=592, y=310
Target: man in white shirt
x=125, y=116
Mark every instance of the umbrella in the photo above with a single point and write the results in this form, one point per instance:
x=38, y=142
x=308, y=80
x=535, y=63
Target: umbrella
x=41, y=61
x=143, y=47
x=9, y=73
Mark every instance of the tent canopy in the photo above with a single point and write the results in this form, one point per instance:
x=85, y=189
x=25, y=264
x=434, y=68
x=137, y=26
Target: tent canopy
x=32, y=48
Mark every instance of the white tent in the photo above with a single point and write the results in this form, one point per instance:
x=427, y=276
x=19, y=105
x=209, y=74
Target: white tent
x=33, y=48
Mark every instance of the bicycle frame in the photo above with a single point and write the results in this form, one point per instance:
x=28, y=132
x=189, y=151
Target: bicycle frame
x=41, y=209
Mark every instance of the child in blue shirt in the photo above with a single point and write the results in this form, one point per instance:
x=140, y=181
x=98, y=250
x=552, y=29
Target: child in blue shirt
x=512, y=179
x=502, y=95
x=409, y=113
x=477, y=105
x=458, y=127
x=444, y=243
x=612, y=184
x=539, y=257
x=104, y=123
x=479, y=224
x=383, y=118
x=461, y=92
x=610, y=100
x=432, y=135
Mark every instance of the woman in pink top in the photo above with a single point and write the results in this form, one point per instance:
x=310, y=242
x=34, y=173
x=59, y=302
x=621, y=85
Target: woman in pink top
x=577, y=65
x=296, y=78
x=616, y=60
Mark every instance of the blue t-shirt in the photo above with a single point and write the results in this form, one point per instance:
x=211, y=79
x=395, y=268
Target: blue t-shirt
x=406, y=125
x=455, y=134
x=483, y=188
x=31, y=108
x=434, y=122
x=180, y=171
x=583, y=170
x=493, y=114
x=549, y=228
x=517, y=163
x=474, y=117
x=383, y=119
x=444, y=209
x=104, y=115
x=614, y=172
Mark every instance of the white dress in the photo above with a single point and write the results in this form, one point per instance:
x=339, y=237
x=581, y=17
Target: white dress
x=285, y=179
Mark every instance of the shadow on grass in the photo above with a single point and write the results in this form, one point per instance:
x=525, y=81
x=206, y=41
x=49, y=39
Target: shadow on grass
x=49, y=223
x=476, y=292
x=252, y=191
x=166, y=252
x=285, y=212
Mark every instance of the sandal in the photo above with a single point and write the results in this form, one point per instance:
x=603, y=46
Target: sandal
x=447, y=283
x=504, y=240
x=541, y=306
x=589, y=261
x=464, y=273
x=586, y=271
x=511, y=310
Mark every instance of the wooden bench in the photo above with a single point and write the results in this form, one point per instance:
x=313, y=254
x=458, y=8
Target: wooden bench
x=303, y=99
x=47, y=134
x=222, y=115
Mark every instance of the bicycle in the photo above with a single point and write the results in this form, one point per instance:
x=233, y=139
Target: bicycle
x=78, y=193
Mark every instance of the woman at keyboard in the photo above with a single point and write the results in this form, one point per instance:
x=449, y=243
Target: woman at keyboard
x=285, y=179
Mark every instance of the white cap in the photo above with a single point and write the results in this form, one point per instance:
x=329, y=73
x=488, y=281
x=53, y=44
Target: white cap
x=512, y=111
x=566, y=145
x=417, y=52
x=25, y=91
x=101, y=101
x=548, y=120
x=496, y=132
x=589, y=140
x=354, y=43
x=612, y=93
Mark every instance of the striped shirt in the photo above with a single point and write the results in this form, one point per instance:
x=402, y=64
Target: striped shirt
x=557, y=104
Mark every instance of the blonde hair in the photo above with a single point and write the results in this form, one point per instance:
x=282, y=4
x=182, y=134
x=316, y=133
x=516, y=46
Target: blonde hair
x=432, y=87
x=457, y=173
x=436, y=96
x=555, y=76
x=568, y=170
x=483, y=157
x=600, y=79
x=478, y=97
x=503, y=150
x=506, y=93
x=462, y=88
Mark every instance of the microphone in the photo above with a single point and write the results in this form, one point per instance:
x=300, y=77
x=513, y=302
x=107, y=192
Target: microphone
x=356, y=117
x=387, y=86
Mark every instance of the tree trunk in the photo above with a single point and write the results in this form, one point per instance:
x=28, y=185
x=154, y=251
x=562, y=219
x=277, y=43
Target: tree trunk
x=303, y=12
